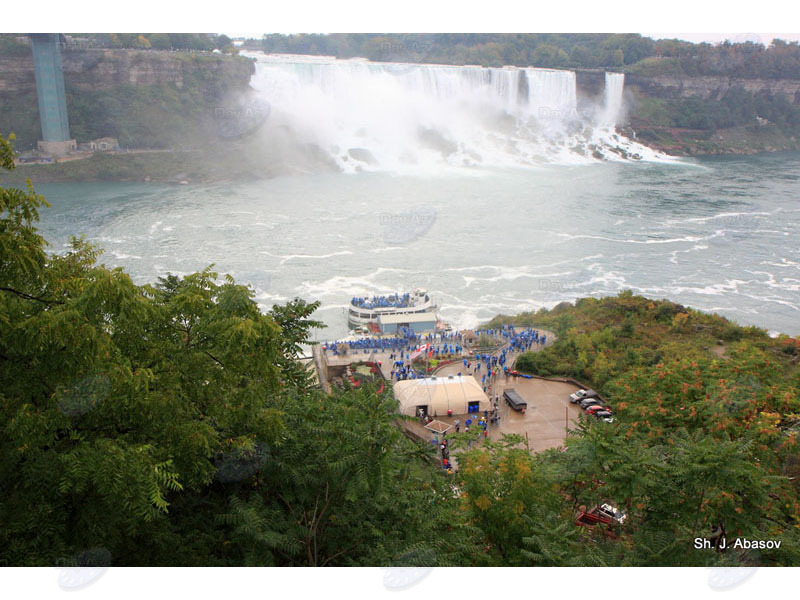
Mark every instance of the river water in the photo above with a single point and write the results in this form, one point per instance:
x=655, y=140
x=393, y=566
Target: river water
x=717, y=234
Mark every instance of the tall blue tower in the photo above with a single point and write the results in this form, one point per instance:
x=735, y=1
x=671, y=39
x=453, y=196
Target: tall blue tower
x=51, y=95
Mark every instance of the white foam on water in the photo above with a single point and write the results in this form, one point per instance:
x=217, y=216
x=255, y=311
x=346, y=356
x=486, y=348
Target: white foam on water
x=603, y=280
x=387, y=249
x=123, y=256
x=774, y=299
x=314, y=256
x=352, y=286
x=727, y=287
x=723, y=215
x=263, y=297
x=674, y=254
x=786, y=283
x=688, y=238
x=716, y=309
x=785, y=262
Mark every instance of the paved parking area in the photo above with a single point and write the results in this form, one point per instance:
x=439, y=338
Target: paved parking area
x=545, y=423
x=547, y=418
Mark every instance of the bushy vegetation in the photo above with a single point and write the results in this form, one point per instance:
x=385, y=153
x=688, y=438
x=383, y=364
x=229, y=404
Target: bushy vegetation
x=11, y=45
x=521, y=49
x=695, y=396
x=172, y=424
x=15, y=44
x=748, y=60
x=163, y=41
x=736, y=108
x=631, y=51
x=156, y=116
x=198, y=42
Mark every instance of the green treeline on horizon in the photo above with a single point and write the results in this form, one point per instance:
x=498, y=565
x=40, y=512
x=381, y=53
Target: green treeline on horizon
x=13, y=44
x=620, y=51
x=172, y=424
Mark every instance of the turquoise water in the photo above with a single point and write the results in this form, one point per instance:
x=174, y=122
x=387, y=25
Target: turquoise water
x=718, y=234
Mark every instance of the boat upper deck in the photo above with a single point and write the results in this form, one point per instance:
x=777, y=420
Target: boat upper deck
x=392, y=302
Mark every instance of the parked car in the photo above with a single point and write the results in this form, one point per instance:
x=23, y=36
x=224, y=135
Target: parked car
x=596, y=407
x=612, y=512
x=581, y=395
x=607, y=416
x=590, y=402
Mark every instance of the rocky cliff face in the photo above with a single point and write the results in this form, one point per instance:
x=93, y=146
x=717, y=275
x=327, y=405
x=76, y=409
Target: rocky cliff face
x=710, y=88
x=94, y=70
x=145, y=99
x=655, y=129
x=16, y=75
x=591, y=82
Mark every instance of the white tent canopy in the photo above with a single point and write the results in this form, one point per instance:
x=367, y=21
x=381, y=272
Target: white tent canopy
x=440, y=394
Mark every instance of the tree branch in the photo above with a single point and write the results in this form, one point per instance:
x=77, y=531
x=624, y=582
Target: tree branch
x=216, y=360
x=25, y=296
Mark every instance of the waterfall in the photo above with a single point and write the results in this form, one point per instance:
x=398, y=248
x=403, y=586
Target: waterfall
x=615, y=83
x=552, y=93
x=498, y=86
x=367, y=115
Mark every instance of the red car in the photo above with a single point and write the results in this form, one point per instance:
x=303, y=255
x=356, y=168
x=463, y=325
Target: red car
x=597, y=407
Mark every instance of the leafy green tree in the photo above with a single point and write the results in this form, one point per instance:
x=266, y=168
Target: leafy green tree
x=160, y=41
x=173, y=424
x=510, y=497
x=115, y=397
x=347, y=488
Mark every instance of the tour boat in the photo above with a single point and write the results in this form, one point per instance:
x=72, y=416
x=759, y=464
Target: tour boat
x=364, y=310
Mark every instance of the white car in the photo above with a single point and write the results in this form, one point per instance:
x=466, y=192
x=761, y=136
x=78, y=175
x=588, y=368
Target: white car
x=612, y=512
x=582, y=395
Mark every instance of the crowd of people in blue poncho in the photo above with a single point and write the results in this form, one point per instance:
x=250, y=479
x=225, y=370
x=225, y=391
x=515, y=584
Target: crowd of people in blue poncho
x=402, y=371
x=392, y=301
x=368, y=345
x=442, y=345
x=405, y=342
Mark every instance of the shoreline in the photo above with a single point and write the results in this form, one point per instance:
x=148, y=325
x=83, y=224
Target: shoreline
x=205, y=167
x=151, y=166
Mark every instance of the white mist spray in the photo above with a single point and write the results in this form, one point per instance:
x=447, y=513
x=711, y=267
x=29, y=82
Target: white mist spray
x=389, y=116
